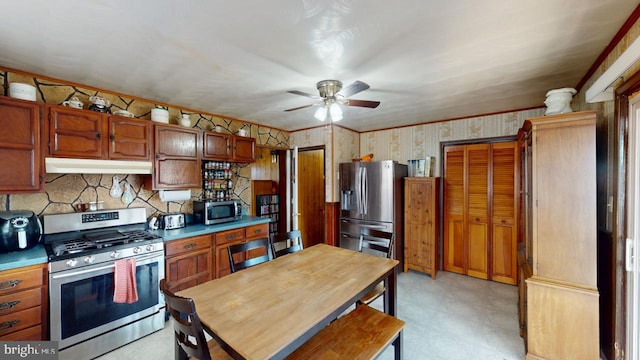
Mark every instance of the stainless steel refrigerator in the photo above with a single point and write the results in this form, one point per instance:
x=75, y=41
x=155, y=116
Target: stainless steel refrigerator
x=371, y=195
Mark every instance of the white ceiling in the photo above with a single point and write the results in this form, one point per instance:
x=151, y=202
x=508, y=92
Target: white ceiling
x=425, y=60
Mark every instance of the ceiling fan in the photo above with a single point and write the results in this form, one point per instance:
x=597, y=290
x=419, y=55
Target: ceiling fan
x=332, y=94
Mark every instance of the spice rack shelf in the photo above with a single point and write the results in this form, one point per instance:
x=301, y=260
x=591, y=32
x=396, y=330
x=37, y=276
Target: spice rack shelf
x=217, y=183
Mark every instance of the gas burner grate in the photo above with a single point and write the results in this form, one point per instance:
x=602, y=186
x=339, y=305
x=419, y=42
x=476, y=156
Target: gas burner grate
x=101, y=240
x=139, y=235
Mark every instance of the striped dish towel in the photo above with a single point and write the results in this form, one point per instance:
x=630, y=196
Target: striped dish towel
x=124, y=277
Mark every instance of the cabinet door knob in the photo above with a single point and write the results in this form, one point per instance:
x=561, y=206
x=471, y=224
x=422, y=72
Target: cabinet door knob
x=98, y=136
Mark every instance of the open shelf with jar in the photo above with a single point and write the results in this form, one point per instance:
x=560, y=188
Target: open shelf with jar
x=217, y=183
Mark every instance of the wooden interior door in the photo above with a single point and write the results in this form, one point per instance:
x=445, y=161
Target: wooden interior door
x=477, y=215
x=480, y=210
x=504, y=211
x=311, y=196
x=454, y=209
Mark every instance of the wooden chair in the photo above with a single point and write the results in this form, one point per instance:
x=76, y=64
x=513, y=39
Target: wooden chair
x=360, y=334
x=247, y=248
x=189, y=333
x=287, y=243
x=381, y=242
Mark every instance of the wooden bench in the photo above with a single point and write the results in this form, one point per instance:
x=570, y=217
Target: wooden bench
x=361, y=334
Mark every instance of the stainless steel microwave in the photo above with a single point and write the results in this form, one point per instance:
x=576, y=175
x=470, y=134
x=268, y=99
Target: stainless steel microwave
x=210, y=212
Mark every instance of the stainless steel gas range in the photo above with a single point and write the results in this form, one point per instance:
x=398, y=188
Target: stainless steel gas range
x=83, y=249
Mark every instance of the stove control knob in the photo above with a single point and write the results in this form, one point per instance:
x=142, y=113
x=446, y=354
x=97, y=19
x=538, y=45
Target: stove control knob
x=115, y=254
x=150, y=247
x=137, y=250
x=89, y=259
x=72, y=262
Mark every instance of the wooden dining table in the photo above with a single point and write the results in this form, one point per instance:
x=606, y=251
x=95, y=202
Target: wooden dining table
x=269, y=310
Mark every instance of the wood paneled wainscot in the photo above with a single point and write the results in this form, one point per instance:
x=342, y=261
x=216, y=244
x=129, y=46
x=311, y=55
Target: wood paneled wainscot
x=421, y=224
x=23, y=303
x=21, y=169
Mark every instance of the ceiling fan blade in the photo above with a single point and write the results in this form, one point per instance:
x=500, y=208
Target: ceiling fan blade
x=302, y=93
x=300, y=107
x=353, y=89
x=363, y=103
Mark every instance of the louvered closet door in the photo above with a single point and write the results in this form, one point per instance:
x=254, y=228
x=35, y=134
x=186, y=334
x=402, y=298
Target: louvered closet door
x=454, y=209
x=477, y=220
x=504, y=212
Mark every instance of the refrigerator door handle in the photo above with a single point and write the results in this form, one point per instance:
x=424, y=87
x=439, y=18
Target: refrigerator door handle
x=365, y=192
x=374, y=227
x=359, y=190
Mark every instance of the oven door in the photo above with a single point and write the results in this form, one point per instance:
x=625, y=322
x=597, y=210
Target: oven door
x=81, y=300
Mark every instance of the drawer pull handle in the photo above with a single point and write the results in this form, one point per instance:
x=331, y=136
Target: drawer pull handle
x=257, y=231
x=9, y=284
x=7, y=306
x=6, y=325
x=190, y=246
x=231, y=237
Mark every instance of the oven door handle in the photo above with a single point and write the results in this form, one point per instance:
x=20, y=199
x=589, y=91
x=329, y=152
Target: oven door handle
x=139, y=261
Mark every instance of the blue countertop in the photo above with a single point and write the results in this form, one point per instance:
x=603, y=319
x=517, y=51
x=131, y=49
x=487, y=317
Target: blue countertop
x=33, y=256
x=38, y=255
x=199, y=229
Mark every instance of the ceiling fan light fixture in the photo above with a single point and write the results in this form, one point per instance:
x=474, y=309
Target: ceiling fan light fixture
x=336, y=112
x=321, y=113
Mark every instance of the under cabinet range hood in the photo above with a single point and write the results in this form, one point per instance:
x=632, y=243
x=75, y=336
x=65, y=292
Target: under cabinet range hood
x=90, y=166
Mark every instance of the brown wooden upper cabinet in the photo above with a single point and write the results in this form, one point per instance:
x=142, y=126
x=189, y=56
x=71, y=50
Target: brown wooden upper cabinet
x=480, y=210
x=129, y=139
x=76, y=133
x=21, y=169
x=216, y=146
x=227, y=147
x=92, y=135
x=244, y=149
x=177, y=159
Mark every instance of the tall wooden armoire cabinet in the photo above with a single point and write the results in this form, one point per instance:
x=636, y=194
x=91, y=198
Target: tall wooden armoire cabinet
x=421, y=221
x=480, y=210
x=562, y=295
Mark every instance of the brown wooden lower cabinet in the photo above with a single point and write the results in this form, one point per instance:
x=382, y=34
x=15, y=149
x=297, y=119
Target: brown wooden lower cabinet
x=572, y=314
x=23, y=303
x=194, y=260
x=222, y=240
x=188, y=262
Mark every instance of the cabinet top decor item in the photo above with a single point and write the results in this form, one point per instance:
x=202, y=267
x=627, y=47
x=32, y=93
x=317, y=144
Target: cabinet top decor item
x=559, y=101
x=22, y=91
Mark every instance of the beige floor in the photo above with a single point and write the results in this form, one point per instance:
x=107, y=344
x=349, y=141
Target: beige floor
x=453, y=317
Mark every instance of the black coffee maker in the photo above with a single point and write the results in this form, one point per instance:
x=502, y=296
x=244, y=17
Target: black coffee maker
x=19, y=230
